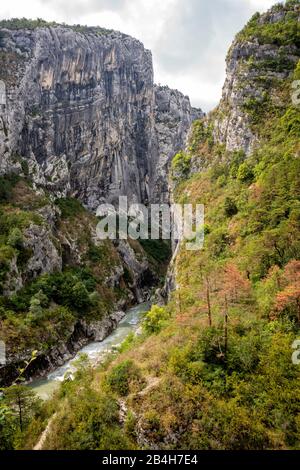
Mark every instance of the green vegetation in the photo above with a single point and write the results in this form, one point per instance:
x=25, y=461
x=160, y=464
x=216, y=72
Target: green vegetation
x=201, y=134
x=47, y=310
x=18, y=405
x=230, y=207
x=70, y=288
x=13, y=222
x=69, y=207
x=181, y=166
x=24, y=23
x=255, y=108
x=155, y=320
x=7, y=184
x=282, y=33
x=122, y=377
x=159, y=250
x=44, y=311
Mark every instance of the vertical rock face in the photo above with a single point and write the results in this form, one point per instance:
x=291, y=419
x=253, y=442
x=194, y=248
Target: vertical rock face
x=173, y=118
x=258, y=61
x=82, y=111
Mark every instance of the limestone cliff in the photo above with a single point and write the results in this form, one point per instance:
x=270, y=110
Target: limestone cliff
x=83, y=113
x=263, y=55
x=173, y=119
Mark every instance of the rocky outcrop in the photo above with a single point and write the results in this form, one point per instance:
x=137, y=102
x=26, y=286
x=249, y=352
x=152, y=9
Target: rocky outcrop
x=173, y=118
x=256, y=65
x=143, y=277
x=45, y=257
x=42, y=253
x=82, y=110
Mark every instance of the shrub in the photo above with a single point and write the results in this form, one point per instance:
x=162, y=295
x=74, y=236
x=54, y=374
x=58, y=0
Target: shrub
x=122, y=376
x=256, y=108
x=245, y=173
x=95, y=253
x=69, y=207
x=71, y=289
x=281, y=33
x=7, y=184
x=6, y=255
x=15, y=238
x=237, y=158
x=243, y=354
x=230, y=207
x=201, y=133
x=181, y=166
x=291, y=122
x=210, y=346
x=155, y=320
x=130, y=424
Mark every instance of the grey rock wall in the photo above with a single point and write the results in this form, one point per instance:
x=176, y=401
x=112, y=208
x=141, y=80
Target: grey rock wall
x=253, y=72
x=173, y=119
x=82, y=110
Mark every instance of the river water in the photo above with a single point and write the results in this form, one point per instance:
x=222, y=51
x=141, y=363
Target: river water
x=95, y=351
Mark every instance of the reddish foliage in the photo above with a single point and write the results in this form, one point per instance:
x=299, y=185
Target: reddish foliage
x=235, y=286
x=290, y=295
x=292, y=272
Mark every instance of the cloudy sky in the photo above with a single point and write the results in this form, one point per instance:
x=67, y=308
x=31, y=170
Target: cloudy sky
x=188, y=38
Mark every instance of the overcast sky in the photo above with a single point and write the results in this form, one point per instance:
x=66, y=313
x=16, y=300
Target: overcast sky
x=189, y=39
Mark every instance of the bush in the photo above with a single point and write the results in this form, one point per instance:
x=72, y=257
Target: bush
x=15, y=238
x=181, y=166
x=71, y=289
x=230, y=207
x=155, y=320
x=291, y=122
x=236, y=159
x=130, y=424
x=255, y=108
x=6, y=255
x=210, y=346
x=122, y=376
x=244, y=352
x=281, y=33
x=245, y=173
x=7, y=184
x=69, y=207
x=25, y=23
x=95, y=253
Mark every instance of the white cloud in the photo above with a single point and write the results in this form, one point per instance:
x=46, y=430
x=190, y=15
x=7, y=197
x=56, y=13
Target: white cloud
x=262, y=4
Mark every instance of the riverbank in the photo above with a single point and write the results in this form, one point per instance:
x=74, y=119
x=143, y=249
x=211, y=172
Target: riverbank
x=95, y=351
